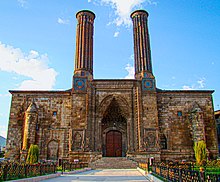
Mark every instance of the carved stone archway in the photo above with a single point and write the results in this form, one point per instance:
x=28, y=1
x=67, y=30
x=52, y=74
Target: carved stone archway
x=121, y=102
x=114, y=120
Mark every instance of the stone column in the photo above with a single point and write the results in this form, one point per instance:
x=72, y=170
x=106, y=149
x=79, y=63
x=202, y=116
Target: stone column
x=29, y=126
x=29, y=130
x=142, y=52
x=84, y=43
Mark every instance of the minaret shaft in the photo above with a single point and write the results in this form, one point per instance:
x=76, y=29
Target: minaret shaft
x=84, y=42
x=142, y=52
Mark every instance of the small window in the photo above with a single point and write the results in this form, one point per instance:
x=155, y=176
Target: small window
x=54, y=113
x=37, y=127
x=179, y=113
x=163, y=142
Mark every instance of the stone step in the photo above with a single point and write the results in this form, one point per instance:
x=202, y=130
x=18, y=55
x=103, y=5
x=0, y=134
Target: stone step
x=113, y=163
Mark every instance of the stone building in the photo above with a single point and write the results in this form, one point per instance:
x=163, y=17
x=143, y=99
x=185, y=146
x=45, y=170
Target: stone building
x=217, y=118
x=112, y=117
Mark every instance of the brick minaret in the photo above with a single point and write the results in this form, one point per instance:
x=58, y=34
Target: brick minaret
x=84, y=43
x=142, y=52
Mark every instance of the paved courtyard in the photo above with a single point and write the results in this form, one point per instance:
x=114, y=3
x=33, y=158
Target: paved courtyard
x=104, y=175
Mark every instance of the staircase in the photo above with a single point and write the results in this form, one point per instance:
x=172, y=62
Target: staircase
x=113, y=163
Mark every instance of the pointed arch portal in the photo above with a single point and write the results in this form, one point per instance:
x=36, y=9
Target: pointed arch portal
x=114, y=131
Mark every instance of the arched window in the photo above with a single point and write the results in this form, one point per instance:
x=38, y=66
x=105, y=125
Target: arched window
x=163, y=142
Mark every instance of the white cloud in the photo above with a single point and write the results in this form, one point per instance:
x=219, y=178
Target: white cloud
x=131, y=57
x=187, y=87
x=130, y=70
x=89, y=1
x=31, y=65
x=3, y=130
x=201, y=82
x=62, y=21
x=198, y=85
x=23, y=3
x=3, y=133
x=14, y=78
x=116, y=34
x=123, y=9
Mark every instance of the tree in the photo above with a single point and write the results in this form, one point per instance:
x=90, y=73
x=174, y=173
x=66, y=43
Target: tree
x=33, y=154
x=2, y=154
x=200, y=152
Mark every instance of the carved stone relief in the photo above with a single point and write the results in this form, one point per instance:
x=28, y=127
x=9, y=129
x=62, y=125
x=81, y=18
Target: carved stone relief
x=52, y=150
x=77, y=140
x=150, y=139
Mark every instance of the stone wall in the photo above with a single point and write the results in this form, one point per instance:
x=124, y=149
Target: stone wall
x=175, y=110
x=54, y=117
x=15, y=127
x=69, y=124
x=150, y=127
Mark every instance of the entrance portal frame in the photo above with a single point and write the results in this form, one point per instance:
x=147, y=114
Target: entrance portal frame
x=128, y=133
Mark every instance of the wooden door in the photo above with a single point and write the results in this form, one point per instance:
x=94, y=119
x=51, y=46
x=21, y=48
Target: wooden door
x=114, y=144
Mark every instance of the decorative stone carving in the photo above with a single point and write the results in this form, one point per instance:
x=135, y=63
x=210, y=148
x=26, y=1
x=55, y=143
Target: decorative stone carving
x=109, y=100
x=150, y=139
x=78, y=140
x=52, y=150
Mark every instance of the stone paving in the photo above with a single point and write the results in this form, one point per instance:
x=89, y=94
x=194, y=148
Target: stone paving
x=104, y=175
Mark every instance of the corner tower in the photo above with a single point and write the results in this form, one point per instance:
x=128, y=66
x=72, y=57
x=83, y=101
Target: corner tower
x=142, y=51
x=84, y=50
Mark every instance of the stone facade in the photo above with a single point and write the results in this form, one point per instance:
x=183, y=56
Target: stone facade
x=98, y=118
x=186, y=117
x=217, y=118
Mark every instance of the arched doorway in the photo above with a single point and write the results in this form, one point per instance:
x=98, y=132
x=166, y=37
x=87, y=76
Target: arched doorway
x=114, y=131
x=114, y=143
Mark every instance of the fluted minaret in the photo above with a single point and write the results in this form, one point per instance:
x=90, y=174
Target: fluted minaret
x=84, y=43
x=142, y=52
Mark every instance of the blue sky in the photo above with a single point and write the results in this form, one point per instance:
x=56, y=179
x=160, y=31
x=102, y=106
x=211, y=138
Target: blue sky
x=37, y=44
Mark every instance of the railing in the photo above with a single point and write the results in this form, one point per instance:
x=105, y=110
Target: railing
x=143, y=165
x=9, y=171
x=176, y=174
x=70, y=166
x=14, y=170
